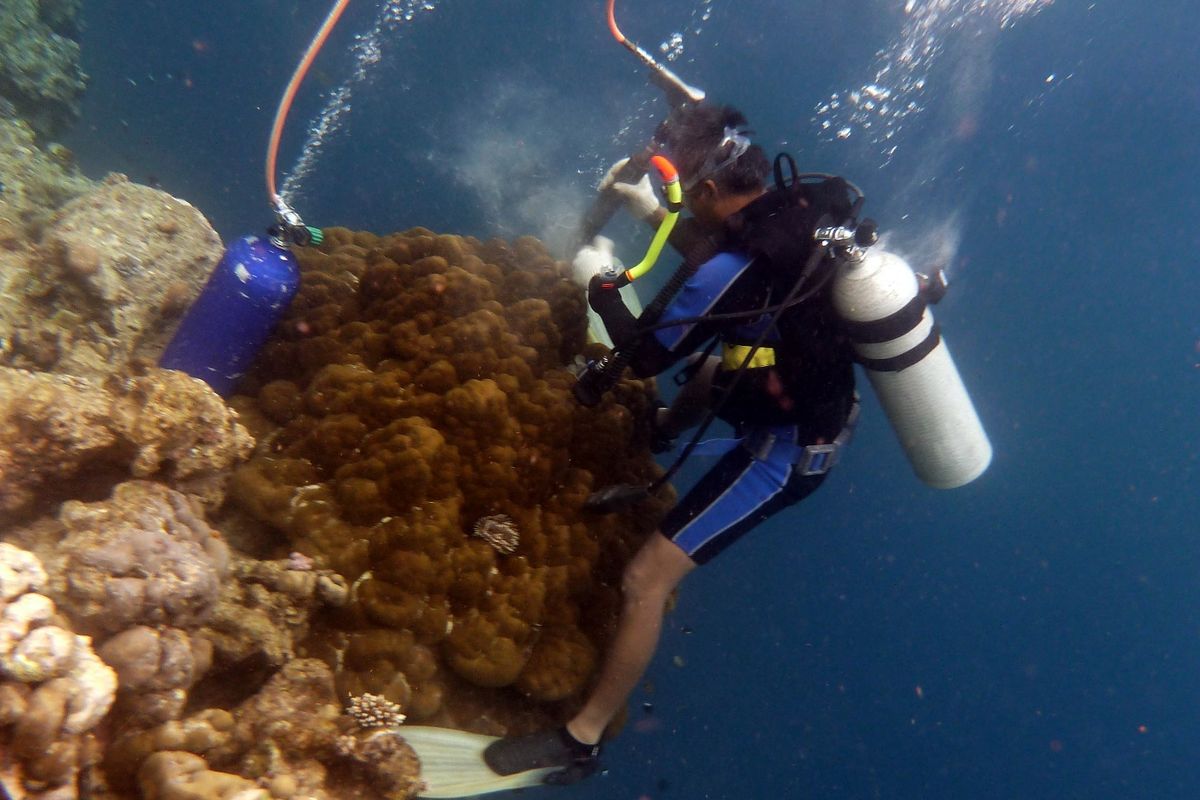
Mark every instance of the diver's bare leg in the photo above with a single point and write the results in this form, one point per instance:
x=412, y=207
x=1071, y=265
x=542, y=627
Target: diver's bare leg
x=648, y=582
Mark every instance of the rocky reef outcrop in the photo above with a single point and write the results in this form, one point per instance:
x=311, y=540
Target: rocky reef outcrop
x=104, y=283
x=40, y=75
x=64, y=437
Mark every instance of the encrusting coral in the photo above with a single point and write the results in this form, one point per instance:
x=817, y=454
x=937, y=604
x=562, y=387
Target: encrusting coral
x=264, y=612
x=68, y=437
x=291, y=738
x=140, y=573
x=418, y=386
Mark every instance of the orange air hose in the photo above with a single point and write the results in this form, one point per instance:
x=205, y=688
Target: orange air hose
x=612, y=23
x=289, y=94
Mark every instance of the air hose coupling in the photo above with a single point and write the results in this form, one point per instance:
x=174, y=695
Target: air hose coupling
x=289, y=229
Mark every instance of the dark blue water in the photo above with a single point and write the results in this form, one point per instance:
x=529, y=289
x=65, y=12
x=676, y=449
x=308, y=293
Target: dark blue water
x=1034, y=635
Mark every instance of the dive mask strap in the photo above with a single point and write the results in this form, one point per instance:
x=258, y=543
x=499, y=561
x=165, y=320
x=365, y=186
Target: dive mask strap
x=740, y=142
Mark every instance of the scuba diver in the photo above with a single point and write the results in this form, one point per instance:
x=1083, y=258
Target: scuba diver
x=783, y=379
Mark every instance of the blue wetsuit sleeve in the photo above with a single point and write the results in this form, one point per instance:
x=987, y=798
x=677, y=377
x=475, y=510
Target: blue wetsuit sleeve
x=699, y=296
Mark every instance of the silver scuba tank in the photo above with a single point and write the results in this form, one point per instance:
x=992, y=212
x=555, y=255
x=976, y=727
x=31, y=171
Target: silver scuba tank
x=899, y=346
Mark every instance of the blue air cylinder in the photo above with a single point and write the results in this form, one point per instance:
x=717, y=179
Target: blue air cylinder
x=247, y=293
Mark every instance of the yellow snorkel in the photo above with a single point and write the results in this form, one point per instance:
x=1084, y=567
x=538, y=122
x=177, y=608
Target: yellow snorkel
x=674, y=193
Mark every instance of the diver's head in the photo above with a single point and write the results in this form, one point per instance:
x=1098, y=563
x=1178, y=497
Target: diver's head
x=720, y=170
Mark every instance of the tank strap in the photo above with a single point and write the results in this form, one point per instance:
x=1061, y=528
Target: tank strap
x=811, y=459
x=908, y=357
x=893, y=326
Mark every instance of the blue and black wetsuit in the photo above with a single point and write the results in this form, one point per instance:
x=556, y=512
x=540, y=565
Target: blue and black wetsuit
x=799, y=391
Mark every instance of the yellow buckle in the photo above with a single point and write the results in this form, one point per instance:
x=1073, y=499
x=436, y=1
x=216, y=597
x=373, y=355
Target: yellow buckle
x=732, y=356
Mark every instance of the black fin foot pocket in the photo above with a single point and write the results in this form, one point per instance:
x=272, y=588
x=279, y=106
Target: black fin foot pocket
x=556, y=748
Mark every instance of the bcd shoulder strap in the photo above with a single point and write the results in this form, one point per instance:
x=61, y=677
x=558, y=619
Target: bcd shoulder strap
x=779, y=225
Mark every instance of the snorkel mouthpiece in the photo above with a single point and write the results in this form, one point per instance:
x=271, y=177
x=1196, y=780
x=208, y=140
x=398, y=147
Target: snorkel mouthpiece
x=666, y=169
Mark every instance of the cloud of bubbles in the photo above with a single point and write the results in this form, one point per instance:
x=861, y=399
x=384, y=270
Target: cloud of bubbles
x=510, y=154
x=367, y=52
x=924, y=95
x=900, y=89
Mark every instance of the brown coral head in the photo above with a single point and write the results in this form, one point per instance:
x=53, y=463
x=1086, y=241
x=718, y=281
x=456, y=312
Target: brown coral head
x=499, y=531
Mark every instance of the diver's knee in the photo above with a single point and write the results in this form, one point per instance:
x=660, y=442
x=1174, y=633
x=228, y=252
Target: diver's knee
x=639, y=584
x=654, y=572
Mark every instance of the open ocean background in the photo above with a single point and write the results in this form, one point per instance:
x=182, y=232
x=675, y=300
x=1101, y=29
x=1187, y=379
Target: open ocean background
x=1034, y=635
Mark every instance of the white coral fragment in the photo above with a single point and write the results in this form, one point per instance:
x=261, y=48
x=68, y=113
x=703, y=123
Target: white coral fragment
x=45, y=653
x=20, y=572
x=499, y=531
x=34, y=652
x=375, y=711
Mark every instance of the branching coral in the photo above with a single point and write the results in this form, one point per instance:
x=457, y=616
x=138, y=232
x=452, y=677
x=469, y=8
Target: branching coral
x=375, y=711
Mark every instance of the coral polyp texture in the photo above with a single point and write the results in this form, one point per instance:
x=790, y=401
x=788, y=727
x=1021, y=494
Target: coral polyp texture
x=414, y=412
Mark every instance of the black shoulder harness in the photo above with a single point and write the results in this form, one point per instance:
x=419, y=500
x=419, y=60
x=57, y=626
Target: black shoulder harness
x=779, y=225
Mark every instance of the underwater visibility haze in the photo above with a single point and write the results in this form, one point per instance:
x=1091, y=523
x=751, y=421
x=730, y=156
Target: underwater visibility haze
x=1034, y=634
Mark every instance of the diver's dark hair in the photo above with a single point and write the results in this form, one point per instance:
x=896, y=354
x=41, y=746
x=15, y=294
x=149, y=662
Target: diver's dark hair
x=692, y=134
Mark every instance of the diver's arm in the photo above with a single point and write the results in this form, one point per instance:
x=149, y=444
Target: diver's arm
x=649, y=355
x=619, y=321
x=655, y=219
x=710, y=289
x=651, y=358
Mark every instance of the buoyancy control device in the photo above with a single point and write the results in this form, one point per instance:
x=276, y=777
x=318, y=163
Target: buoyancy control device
x=883, y=306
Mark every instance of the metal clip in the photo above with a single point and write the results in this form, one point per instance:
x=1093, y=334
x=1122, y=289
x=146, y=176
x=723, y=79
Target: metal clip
x=818, y=459
x=836, y=235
